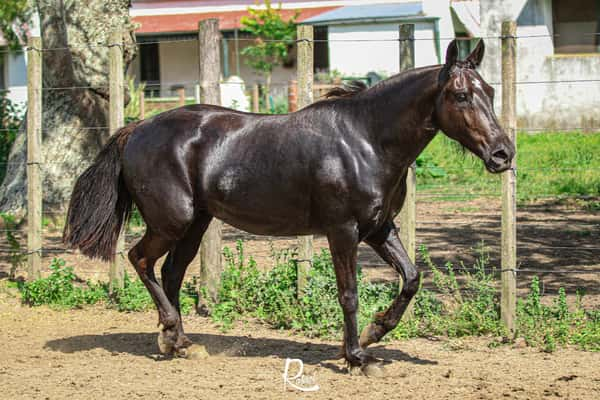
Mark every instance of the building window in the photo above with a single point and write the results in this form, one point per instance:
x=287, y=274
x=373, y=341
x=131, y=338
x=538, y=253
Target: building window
x=150, y=68
x=321, y=49
x=576, y=26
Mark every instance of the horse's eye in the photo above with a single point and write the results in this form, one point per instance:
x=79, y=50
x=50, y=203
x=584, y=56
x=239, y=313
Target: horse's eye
x=461, y=97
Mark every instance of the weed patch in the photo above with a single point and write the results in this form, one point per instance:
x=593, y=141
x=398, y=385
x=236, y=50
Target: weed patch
x=461, y=302
x=62, y=289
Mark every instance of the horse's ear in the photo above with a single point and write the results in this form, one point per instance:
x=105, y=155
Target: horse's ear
x=476, y=55
x=452, y=53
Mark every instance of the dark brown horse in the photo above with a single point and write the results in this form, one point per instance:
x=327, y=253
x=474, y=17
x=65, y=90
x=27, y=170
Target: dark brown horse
x=336, y=168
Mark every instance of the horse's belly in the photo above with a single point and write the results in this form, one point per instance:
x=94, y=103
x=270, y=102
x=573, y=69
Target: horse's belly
x=268, y=206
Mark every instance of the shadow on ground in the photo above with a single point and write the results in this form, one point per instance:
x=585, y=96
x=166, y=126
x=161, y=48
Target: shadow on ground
x=144, y=344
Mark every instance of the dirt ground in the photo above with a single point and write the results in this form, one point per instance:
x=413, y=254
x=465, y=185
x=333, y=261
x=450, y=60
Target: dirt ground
x=99, y=353
x=103, y=354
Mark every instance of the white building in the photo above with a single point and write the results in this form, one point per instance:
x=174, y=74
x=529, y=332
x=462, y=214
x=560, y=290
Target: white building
x=558, y=60
x=363, y=38
x=13, y=73
x=170, y=57
x=558, y=65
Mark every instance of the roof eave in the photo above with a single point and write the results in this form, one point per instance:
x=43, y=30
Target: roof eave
x=356, y=21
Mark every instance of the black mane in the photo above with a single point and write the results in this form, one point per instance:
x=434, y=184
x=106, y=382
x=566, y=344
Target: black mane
x=348, y=90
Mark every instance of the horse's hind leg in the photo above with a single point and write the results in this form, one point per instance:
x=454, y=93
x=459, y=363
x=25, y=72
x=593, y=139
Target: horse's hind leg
x=143, y=256
x=173, y=272
x=343, y=244
x=387, y=244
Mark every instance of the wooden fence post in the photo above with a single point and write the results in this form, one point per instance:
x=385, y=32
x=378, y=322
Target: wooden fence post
x=116, y=120
x=209, y=40
x=305, y=63
x=197, y=93
x=142, y=105
x=292, y=96
x=509, y=179
x=181, y=95
x=408, y=214
x=255, y=98
x=34, y=149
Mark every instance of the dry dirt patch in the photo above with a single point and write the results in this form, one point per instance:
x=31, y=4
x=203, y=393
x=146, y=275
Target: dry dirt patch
x=99, y=353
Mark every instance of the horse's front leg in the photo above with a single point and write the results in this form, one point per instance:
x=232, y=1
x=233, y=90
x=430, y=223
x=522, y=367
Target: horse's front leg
x=387, y=244
x=343, y=244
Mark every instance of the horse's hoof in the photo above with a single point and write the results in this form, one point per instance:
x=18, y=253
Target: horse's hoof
x=165, y=346
x=193, y=352
x=374, y=370
x=371, y=370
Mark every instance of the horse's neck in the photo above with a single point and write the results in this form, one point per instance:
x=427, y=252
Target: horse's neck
x=401, y=118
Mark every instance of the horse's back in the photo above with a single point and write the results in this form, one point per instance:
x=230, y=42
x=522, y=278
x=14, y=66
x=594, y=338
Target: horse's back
x=249, y=170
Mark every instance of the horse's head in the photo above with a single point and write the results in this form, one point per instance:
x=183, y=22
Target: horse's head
x=465, y=110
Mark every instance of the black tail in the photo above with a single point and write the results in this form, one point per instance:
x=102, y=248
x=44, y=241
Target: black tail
x=100, y=202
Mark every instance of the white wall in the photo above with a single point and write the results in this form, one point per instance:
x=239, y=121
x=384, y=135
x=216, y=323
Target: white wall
x=178, y=65
x=358, y=58
x=540, y=103
x=16, y=77
x=441, y=9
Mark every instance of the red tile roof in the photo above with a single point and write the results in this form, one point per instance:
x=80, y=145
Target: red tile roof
x=227, y=20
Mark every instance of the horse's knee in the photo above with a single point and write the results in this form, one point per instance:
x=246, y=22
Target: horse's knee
x=412, y=282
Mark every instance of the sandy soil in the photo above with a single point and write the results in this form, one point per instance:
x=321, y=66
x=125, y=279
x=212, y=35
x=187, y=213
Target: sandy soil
x=102, y=354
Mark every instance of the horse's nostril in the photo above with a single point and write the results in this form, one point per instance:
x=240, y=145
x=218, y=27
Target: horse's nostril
x=500, y=154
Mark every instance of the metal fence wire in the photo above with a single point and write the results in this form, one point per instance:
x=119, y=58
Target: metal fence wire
x=428, y=225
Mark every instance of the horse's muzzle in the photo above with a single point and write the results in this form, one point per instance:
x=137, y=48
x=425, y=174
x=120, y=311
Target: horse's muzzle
x=500, y=158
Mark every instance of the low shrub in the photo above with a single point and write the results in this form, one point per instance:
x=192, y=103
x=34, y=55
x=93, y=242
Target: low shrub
x=62, y=289
x=457, y=304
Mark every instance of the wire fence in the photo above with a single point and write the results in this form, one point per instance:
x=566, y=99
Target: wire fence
x=440, y=232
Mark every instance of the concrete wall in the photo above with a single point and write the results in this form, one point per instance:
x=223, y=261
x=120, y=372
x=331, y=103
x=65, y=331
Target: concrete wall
x=540, y=104
x=178, y=65
x=352, y=57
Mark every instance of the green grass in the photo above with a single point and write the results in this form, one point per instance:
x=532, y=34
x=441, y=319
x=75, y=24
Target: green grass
x=548, y=165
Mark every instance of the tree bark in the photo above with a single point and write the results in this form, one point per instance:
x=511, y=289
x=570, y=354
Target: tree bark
x=75, y=97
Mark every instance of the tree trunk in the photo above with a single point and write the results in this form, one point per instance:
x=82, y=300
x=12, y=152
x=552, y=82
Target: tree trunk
x=75, y=97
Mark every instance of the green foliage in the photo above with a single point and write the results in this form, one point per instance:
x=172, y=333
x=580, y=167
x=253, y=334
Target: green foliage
x=272, y=296
x=545, y=326
x=11, y=116
x=461, y=308
x=279, y=105
x=274, y=36
x=428, y=168
x=458, y=305
x=135, y=218
x=132, y=297
x=16, y=255
x=550, y=164
x=60, y=289
x=14, y=15
x=133, y=108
